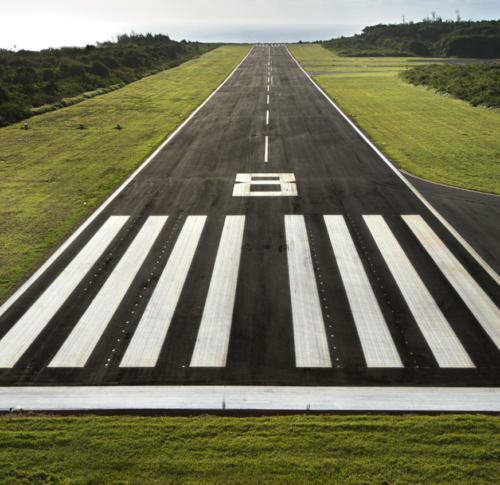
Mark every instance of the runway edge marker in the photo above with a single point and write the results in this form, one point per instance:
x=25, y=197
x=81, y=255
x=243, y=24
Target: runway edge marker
x=18, y=293
x=438, y=216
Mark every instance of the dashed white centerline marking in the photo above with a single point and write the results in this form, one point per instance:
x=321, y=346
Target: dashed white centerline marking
x=266, y=149
x=268, y=88
x=267, y=117
x=268, y=99
x=267, y=79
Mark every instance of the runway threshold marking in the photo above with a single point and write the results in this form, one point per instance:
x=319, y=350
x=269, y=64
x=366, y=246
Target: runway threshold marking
x=149, y=337
x=311, y=346
x=212, y=341
x=378, y=347
x=479, y=303
x=442, y=340
x=31, y=324
x=82, y=340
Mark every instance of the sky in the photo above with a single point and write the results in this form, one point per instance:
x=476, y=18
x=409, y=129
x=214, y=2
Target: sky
x=40, y=24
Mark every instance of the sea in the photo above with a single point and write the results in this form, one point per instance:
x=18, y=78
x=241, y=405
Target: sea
x=251, y=34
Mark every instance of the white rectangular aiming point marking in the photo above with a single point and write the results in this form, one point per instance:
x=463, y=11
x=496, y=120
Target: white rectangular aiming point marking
x=376, y=340
x=148, y=339
x=212, y=342
x=27, y=329
x=442, y=340
x=84, y=337
x=311, y=346
x=479, y=303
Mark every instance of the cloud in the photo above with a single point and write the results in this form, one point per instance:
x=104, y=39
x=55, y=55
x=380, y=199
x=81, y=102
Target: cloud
x=35, y=24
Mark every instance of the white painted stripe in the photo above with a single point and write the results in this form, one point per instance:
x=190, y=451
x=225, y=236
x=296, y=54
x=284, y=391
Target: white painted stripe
x=213, y=337
x=266, y=149
x=268, y=99
x=479, y=303
x=277, y=398
x=311, y=347
x=267, y=79
x=27, y=329
x=443, y=342
x=267, y=117
x=84, y=337
x=110, y=199
x=424, y=201
x=268, y=88
x=148, y=339
x=376, y=340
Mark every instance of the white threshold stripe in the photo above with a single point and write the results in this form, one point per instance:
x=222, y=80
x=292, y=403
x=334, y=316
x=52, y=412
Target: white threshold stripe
x=311, y=346
x=30, y=325
x=267, y=117
x=82, y=340
x=378, y=347
x=266, y=149
x=110, y=199
x=212, y=342
x=272, y=398
x=441, y=338
x=422, y=199
x=148, y=339
x=479, y=303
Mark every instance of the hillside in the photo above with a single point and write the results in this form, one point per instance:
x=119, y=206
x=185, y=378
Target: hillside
x=30, y=80
x=428, y=38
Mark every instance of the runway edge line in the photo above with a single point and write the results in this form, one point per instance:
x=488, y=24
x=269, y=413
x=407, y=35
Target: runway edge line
x=17, y=294
x=443, y=221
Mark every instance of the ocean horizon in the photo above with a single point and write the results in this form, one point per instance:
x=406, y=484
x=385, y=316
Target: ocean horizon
x=251, y=34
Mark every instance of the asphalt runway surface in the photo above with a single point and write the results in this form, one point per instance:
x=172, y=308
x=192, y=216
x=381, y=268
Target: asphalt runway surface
x=267, y=244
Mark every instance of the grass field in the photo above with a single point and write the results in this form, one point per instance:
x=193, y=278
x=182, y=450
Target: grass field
x=291, y=449
x=435, y=137
x=53, y=174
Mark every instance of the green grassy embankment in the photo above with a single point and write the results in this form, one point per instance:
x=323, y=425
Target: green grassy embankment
x=292, y=449
x=54, y=174
x=435, y=137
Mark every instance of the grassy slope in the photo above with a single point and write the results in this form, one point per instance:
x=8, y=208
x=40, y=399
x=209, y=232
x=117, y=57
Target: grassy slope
x=293, y=449
x=48, y=172
x=434, y=137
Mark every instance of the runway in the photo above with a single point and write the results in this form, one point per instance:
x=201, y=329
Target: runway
x=266, y=248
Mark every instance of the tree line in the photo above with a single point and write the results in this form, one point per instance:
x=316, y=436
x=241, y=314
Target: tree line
x=432, y=37
x=31, y=79
x=479, y=84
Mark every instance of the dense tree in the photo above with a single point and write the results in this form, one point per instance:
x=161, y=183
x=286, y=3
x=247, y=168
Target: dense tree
x=431, y=37
x=30, y=79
